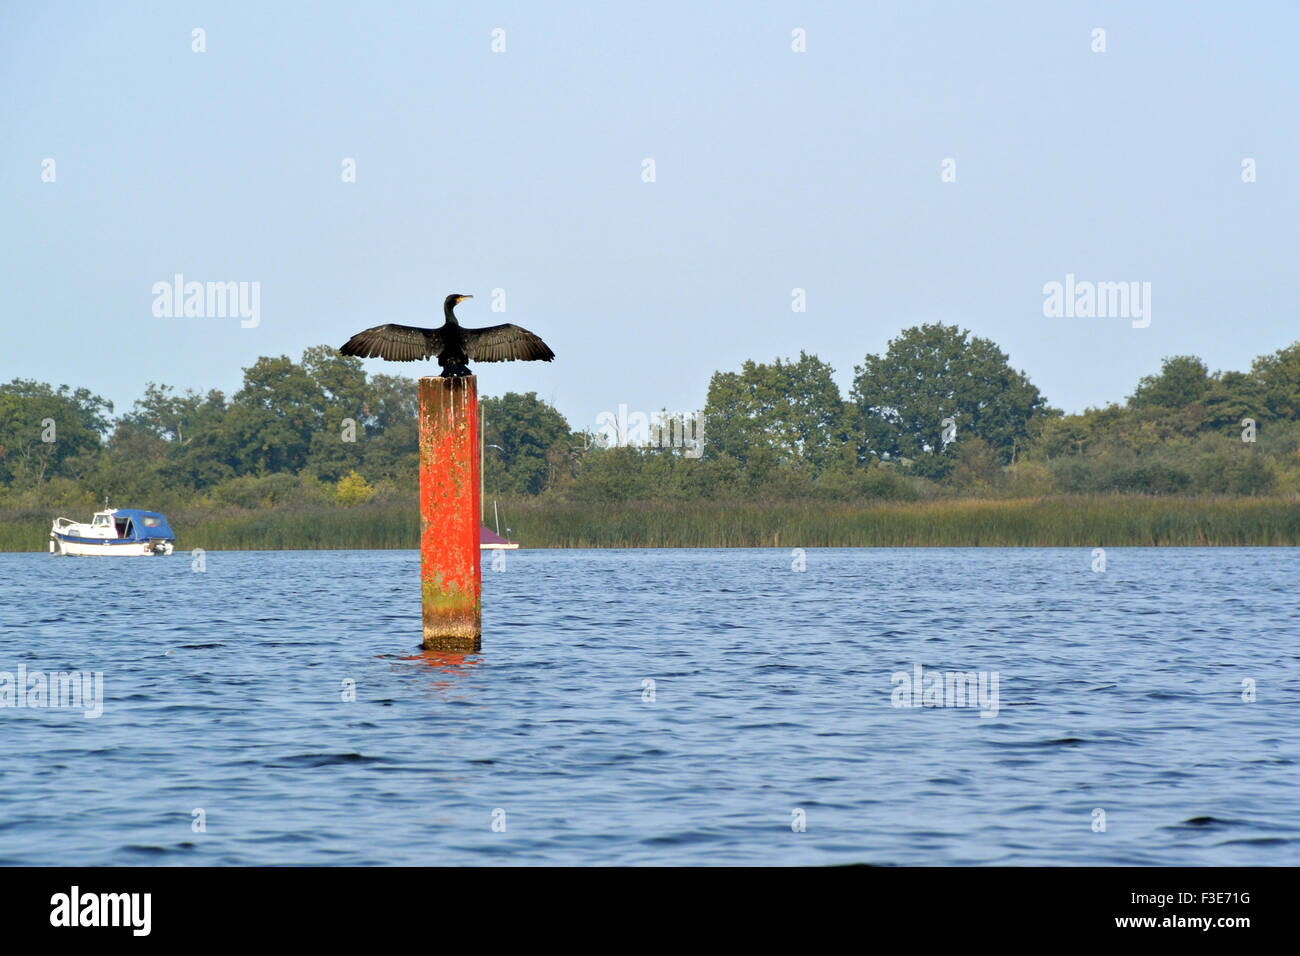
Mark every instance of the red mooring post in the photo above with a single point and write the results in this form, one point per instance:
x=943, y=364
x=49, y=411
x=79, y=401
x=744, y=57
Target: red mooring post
x=450, y=574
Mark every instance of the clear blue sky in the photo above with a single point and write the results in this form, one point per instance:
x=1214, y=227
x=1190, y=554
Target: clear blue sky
x=522, y=170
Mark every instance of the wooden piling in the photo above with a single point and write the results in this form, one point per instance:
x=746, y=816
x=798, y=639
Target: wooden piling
x=450, y=574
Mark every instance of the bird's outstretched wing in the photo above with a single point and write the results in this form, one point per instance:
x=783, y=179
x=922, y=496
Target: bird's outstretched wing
x=504, y=343
x=397, y=343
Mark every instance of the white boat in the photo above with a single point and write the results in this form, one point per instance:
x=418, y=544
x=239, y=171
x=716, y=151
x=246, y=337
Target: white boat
x=117, y=532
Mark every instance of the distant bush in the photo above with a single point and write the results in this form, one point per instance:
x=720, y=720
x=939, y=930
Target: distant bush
x=251, y=492
x=935, y=467
x=888, y=483
x=840, y=484
x=1149, y=478
x=1084, y=475
x=1239, y=473
x=1031, y=479
x=977, y=469
x=787, y=484
x=352, y=489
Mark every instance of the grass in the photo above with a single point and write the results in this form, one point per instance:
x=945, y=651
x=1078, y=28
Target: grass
x=1064, y=521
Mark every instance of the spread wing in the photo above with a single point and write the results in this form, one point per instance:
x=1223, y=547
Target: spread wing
x=504, y=343
x=397, y=343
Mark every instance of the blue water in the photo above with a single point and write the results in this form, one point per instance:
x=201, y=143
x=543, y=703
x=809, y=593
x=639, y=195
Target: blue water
x=773, y=694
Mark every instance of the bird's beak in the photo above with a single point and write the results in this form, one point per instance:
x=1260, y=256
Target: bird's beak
x=464, y=297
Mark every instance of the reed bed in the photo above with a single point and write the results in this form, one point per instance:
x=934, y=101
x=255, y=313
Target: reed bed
x=1027, y=522
x=1063, y=521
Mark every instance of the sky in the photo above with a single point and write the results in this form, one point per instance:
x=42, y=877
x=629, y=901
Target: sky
x=524, y=170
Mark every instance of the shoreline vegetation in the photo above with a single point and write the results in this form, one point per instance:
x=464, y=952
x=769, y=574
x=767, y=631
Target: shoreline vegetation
x=1059, y=521
x=939, y=442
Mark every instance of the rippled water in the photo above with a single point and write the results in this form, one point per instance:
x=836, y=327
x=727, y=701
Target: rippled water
x=773, y=693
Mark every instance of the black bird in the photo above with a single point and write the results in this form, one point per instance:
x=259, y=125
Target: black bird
x=453, y=344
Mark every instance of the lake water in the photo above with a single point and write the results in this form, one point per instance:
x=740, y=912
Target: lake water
x=773, y=702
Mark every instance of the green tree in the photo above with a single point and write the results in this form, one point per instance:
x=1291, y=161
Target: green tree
x=1056, y=436
x=1278, y=376
x=933, y=372
x=207, y=454
x=272, y=418
x=1183, y=380
x=527, y=431
x=43, y=429
x=339, y=445
x=783, y=415
x=391, y=419
x=613, y=474
x=1234, y=396
x=162, y=413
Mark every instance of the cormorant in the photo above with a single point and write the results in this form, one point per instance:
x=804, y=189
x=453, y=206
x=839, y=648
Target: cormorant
x=453, y=344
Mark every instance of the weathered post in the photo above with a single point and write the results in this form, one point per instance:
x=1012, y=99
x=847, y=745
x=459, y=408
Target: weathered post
x=450, y=574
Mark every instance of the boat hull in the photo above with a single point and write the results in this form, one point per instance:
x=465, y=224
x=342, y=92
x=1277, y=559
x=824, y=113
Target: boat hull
x=107, y=547
x=489, y=540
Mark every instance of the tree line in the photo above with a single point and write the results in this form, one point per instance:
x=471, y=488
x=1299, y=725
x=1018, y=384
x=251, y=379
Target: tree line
x=940, y=413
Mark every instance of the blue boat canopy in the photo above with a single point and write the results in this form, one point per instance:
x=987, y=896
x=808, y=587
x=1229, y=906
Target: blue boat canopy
x=145, y=524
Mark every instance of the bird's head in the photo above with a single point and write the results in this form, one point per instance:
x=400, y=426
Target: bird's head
x=451, y=302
